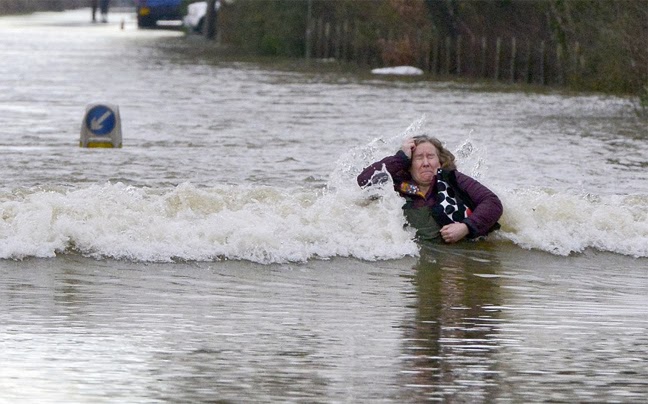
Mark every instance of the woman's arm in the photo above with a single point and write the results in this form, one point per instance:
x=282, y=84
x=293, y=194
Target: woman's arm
x=488, y=207
x=395, y=165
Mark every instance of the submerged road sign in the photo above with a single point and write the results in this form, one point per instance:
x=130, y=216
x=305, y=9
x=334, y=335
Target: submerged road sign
x=101, y=126
x=101, y=120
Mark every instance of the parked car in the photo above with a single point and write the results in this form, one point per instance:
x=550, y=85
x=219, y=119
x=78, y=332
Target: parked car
x=149, y=12
x=196, y=12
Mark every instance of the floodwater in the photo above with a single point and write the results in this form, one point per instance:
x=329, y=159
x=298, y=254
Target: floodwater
x=225, y=253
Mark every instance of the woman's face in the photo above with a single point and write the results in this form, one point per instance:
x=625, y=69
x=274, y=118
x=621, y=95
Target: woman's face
x=425, y=163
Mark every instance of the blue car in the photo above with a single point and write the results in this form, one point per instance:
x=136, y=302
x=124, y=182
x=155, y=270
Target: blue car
x=149, y=12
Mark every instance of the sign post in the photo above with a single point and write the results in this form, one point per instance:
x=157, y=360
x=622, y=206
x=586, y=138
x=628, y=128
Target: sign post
x=101, y=127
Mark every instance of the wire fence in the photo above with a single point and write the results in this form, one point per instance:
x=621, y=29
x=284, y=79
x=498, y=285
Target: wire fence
x=499, y=58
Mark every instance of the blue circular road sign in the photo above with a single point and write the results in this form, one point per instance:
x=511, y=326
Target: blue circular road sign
x=100, y=120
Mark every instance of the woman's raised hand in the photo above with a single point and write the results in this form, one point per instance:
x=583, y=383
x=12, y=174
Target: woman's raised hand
x=408, y=147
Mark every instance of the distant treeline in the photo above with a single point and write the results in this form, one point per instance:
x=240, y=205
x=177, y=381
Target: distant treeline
x=582, y=44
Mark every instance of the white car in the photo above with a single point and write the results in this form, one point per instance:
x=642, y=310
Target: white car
x=196, y=12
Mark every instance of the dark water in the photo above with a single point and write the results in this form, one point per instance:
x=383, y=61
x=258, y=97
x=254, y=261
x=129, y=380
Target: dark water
x=222, y=256
x=462, y=324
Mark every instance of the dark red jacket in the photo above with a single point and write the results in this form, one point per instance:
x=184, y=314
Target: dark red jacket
x=486, y=209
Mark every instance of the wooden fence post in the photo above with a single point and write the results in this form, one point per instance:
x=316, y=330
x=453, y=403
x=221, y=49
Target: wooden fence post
x=483, y=57
x=574, y=68
x=542, y=63
x=320, y=39
x=435, y=55
x=527, y=63
x=447, y=56
x=338, y=45
x=309, y=30
x=327, y=40
x=498, y=50
x=343, y=39
x=420, y=50
x=560, y=73
x=458, y=50
x=513, y=56
x=373, y=58
x=356, y=42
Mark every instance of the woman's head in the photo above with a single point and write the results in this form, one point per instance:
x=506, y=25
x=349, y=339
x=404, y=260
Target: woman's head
x=446, y=158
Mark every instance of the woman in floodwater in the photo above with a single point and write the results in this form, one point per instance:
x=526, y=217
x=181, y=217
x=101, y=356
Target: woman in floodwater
x=440, y=202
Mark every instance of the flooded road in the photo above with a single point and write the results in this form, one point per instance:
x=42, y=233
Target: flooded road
x=226, y=254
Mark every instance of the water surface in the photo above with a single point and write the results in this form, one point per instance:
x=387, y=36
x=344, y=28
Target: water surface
x=226, y=253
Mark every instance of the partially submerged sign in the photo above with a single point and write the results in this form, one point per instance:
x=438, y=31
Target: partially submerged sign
x=101, y=126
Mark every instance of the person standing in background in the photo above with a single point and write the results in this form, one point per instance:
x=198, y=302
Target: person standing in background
x=103, y=6
x=94, y=4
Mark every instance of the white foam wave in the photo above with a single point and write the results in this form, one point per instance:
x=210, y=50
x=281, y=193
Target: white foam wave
x=271, y=225
x=259, y=224
x=562, y=223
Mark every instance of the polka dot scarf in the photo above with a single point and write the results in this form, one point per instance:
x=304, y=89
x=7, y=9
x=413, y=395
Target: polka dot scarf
x=447, y=199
